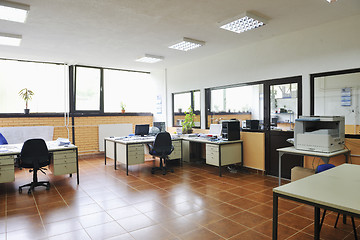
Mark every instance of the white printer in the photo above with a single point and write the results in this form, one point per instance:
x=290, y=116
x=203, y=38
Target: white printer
x=320, y=133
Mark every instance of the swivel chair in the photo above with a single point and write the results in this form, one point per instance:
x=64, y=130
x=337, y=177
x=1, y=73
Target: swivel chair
x=34, y=154
x=162, y=148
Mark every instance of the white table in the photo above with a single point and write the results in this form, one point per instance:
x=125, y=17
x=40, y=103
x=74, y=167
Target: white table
x=130, y=150
x=324, y=156
x=218, y=152
x=64, y=160
x=336, y=189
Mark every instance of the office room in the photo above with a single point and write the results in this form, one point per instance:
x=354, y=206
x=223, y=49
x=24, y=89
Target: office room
x=98, y=82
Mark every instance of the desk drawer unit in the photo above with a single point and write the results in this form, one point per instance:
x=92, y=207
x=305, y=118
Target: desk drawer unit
x=176, y=154
x=212, y=154
x=136, y=154
x=64, y=162
x=7, y=172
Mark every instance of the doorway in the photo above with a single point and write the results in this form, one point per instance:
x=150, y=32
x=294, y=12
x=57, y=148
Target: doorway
x=282, y=105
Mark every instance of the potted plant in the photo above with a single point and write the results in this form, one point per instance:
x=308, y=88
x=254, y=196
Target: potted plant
x=26, y=95
x=188, y=123
x=122, y=105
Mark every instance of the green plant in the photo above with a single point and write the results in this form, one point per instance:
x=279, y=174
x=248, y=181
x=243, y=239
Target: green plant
x=26, y=95
x=122, y=105
x=189, y=121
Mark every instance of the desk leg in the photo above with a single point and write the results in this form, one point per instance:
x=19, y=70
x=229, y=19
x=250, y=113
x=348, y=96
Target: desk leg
x=317, y=223
x=275, y=216
x=242, y=155
x=115, y=155
x=127, y=160
x=219, y=161
x=280, y=156
x=77, y=167
x=347, y=156
x=105, y=149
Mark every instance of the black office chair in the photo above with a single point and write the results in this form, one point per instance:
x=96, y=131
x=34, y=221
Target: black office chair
x=162, y=148
x=34, y=154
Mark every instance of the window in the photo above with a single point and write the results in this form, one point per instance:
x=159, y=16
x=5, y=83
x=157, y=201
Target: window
x=182, y=102
x=88, y=82
x=235, y=102
x=338, y=94
x=283, y=104
x=46, y=80
x=134, y=89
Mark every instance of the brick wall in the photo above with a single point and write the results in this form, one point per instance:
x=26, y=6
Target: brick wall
x=86, y=128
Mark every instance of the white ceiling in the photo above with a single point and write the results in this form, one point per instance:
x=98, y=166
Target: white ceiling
x=113, y=33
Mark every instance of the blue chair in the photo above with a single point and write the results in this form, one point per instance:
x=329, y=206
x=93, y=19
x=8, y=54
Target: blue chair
x=2, y=140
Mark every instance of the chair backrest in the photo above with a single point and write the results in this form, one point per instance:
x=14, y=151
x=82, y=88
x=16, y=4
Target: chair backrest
x=324, y=167
x=163, y=144
x=34, y=154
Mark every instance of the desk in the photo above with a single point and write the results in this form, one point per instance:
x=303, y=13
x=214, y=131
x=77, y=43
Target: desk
x=335, y=189
x=218, y=153
x=64, y=160
x=324, y=156
x=130, y=150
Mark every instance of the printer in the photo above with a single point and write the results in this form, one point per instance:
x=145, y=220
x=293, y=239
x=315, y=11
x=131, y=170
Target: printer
x=320, y=133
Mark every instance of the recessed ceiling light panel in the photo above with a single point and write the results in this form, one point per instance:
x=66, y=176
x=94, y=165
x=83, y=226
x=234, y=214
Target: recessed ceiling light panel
x=150, y=59
x=13, y=11
x=331, y=1
x=10, y=39
x=242, y=23
x=187, y=44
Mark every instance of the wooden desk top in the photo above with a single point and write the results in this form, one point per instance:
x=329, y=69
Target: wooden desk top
x=338, y=187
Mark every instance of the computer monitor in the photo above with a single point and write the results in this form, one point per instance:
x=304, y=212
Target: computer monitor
x=142, y=129
x=215, y=129
x=160, y=126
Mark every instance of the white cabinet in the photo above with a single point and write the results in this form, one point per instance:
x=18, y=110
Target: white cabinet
x=229, y=154
x=134, y=153
x=63, y=162
x=7, y=172
x=176, y=154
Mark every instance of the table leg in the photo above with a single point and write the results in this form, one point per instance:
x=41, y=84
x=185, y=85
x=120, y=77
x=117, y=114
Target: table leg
x=105, y=149
x=317, y=223
x=280, y=156
x=325, y=159
x=77, y=167
x=219, y=161
x=275, y=216
x=115, y=154
x=127, y=160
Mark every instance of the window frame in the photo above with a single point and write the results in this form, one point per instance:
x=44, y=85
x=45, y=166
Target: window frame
x=208, y=97
x=100, y=112
x=326, y=74
x=192, y=105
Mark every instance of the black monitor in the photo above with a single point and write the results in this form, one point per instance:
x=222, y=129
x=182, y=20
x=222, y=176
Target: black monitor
x=142, y=129
x=160, y=126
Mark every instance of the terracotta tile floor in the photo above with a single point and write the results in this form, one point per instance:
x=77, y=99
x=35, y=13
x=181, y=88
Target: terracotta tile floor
x=191, y=203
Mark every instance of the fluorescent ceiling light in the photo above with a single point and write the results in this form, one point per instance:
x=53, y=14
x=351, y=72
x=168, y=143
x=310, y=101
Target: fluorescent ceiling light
x=10, y=39
x=243, y=23
x=12, y=11
x=150, y=59
x=187, y=44
x=330, y=1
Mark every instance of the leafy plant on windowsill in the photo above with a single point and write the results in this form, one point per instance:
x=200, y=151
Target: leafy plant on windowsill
x=122, y=105
x=26, y=95
x=188, y=123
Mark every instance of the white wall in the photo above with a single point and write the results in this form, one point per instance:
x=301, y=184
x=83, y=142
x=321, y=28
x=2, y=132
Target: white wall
x=328, y=47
